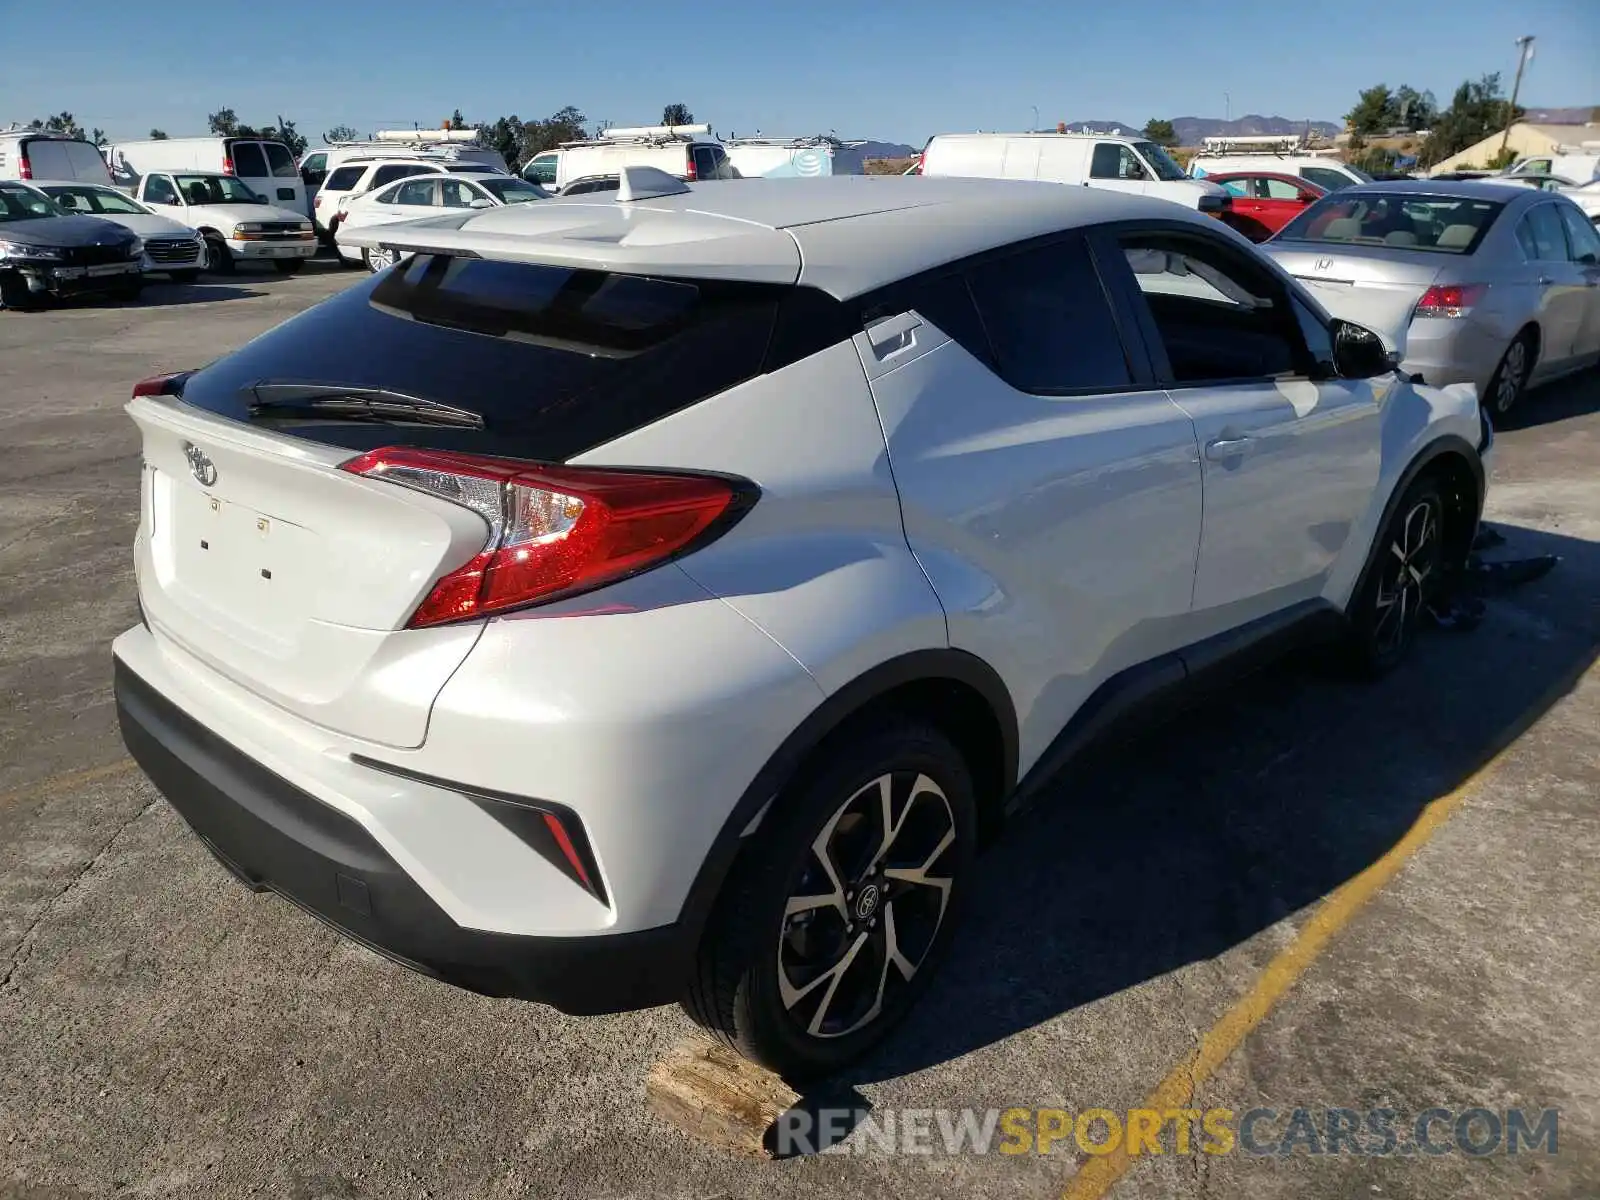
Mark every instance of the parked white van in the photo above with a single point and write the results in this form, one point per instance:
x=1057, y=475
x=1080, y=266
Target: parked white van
x=1279, y=155
x=32, y=154
x=685, y=151
x=1579, y=163
x=1118, y=164
x=801, y=157
x=265, y=167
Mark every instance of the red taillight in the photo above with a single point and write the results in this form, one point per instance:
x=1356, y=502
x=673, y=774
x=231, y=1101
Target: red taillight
x=24, y=167
x=1450, y=300
x=227, y=164
x=691, y=175
x=553, y=531
x=158, y=385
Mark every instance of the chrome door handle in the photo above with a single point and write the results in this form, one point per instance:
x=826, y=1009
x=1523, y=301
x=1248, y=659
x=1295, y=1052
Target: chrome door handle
x=1545, y=281
x=1223, y=448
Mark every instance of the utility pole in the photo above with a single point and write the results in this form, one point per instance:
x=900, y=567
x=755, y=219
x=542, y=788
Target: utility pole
x=1227, y=107
x=1034, y=127
x=1524, y=53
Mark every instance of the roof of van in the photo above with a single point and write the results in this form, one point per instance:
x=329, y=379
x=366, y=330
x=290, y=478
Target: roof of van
x=1042, y=133
x=844, y=234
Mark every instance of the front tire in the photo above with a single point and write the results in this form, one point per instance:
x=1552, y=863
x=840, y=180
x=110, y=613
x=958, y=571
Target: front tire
x=1408, y=566
x=833, y=922
x=1510, y=379
x=219, y=259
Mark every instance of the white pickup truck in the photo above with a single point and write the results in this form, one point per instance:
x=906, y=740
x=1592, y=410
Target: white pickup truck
x=237, y=224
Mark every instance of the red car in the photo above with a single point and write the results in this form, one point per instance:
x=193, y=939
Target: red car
x=1265, y=201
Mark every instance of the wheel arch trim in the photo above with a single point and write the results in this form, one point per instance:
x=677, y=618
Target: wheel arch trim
x=945, y=664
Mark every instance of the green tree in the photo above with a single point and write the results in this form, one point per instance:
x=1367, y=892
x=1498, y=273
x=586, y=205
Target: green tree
x=158, y=135
x=1375, y=111
x=286, y=133
x=1476, y=110
x=340, y=133
x=677, y=114
x=505, y=134
x=61, y=122
x=225, y=123
x=1414, y=110
x=1160, y=132
x=1501, y=159
x=456, y=121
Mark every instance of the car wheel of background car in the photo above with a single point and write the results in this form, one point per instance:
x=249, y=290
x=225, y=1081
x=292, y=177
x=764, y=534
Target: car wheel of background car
x=289, y=266
x=219, y=259
x=1511, y=376
x=14, y=293
x=833, y=921
x=1408, y=565
x=183, y=276
x=379, y=258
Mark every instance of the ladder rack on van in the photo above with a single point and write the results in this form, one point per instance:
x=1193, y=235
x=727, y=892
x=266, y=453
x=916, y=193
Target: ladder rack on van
x=1255, y=144
x=795, y=143
x=644, y=135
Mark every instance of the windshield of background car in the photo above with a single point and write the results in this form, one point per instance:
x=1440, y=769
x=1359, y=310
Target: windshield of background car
x=512, y=190
x=25, y=204
x=214, y=189
x=95, y=200
x=1403, y=220
x=1160, y=161
x=280, y=160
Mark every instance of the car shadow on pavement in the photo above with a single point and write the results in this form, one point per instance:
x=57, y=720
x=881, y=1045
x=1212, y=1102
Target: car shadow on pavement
x=1575, y=396
x=164, y=295
x=1180, y=845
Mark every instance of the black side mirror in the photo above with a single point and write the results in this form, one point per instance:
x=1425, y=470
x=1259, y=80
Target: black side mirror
x=1358, y=353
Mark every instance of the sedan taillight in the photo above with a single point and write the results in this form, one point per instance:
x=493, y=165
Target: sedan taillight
x=555, y=531
x=1450, y=300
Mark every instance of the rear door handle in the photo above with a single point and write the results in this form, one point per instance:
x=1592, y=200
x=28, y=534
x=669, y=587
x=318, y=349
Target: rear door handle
x=1219, y=449
x=1545, y=281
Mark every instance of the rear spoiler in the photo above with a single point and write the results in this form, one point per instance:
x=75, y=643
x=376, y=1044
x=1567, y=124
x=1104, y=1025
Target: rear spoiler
x=743, y=253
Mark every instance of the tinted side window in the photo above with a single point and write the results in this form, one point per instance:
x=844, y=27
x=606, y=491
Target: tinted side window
x=418, y=191
x=159, y=190
x=1107, y=161
x=945, y=300
x=344, y=178
x=1581, y=233
x=1218, y=316
x=395, y=171
x=279, y=158
x=1544, y=237
x=248, y=161
x=705, y=166
x=1330, y=179
x=1049, y=321
x=315, y=169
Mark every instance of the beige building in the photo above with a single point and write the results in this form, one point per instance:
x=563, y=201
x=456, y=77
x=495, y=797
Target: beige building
x=1529, y=141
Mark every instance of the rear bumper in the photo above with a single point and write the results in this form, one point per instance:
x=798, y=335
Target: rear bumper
x=275, y=837
x=1445, y=351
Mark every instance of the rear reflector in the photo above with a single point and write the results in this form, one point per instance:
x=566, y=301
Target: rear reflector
x=1450, y=300
x=555, y=531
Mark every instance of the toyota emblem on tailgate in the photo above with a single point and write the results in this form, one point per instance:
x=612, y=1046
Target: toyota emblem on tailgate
x=200, y=466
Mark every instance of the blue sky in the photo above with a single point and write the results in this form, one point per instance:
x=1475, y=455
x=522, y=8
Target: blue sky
x=892, y=70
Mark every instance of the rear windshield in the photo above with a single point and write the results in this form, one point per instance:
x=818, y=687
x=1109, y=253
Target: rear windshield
x=280, y=160
x=1404, y=220
x=554, y=361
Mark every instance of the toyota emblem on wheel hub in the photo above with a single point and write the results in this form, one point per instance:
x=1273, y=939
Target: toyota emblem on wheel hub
x=200, y=465
x=867, y=902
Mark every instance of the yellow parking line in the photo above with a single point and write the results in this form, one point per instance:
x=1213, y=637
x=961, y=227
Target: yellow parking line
x=57, y=784
x=1099, y=1175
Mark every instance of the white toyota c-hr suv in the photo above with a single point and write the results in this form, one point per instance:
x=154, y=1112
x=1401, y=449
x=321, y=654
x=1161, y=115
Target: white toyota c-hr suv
x=662, y=595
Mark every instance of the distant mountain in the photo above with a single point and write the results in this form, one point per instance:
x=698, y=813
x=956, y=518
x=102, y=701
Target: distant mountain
x=886, y=150
x=1563, y=116
x=1191, y=130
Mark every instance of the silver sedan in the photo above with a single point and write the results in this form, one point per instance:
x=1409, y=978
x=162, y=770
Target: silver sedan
x=1486, y=283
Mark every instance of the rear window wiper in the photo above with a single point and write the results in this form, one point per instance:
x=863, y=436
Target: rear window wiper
x=341, y=402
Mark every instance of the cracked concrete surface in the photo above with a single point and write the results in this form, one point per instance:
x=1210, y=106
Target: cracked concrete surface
x=164, y=1032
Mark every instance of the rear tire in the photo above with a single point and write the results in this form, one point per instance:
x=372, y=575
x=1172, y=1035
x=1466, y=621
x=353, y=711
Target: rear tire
x=1510, y=378
x=1407, y=567
x=379, y=258
x=803, y=965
